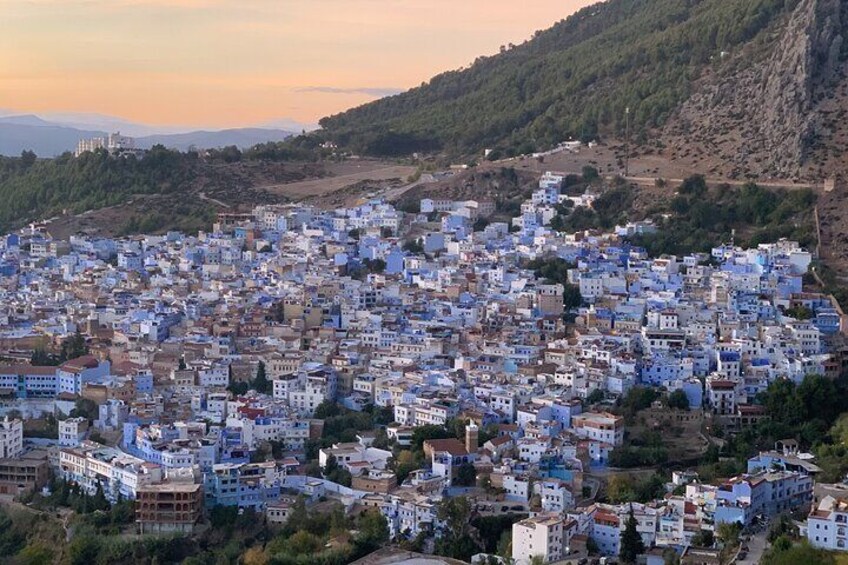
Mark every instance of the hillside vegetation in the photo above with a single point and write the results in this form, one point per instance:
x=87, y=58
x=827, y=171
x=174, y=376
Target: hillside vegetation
x=692, y=217
x=698, y=218
x=573, y=80
x=32, y=189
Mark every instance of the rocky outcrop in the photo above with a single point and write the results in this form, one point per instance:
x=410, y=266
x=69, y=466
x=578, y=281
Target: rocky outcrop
x=761, y=118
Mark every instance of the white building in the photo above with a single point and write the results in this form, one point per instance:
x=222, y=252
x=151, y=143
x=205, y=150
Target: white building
x=603, y=427
x=349, y=454
x=91, y=465
x=216, y=376
x=113, y=143
x=827, y=525
x=539, y=536
x=11, y=438
x=72, y=431
x=409, y=511
x=112, y=414
x=555, y=495
x=517, y=486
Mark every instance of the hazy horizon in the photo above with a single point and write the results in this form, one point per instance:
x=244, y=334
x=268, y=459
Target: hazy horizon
x=228, y=63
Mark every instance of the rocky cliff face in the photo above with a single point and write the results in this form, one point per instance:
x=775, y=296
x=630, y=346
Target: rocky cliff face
x=764, y=119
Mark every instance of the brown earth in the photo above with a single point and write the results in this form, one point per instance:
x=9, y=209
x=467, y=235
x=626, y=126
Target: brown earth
x=340, y=176
x=645, y=166
x=492, y=182
x=239, y=187
x=832, y=208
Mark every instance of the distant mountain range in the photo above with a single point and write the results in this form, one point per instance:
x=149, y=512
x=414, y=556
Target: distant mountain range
x=46, y=140
x=53, y=134
x=240, y=137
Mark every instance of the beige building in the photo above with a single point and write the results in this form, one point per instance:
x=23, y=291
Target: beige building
x=24, y=473
x=549, y=298
x=168, y=508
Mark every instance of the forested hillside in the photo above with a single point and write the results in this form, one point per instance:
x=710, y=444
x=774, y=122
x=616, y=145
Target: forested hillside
x=573, y=80
x=30, y=187
x=33, y=189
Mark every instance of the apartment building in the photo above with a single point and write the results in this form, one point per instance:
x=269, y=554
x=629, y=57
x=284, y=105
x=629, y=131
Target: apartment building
x=542, y=536
x=11, y=438
x=827, y=524
x=92, y=466
x=603, y=427
x=24, y=473
x=168, y=508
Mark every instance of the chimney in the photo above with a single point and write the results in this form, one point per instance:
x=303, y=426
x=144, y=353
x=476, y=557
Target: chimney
x=472, y=434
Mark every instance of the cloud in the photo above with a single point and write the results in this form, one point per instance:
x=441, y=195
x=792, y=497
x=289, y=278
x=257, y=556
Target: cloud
x=376, y=91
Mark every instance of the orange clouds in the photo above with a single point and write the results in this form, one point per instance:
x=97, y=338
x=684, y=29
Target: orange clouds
x=237, y=62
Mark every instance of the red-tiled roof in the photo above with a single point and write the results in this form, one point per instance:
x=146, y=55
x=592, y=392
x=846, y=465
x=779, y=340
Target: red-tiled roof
x=450, y=445
x=500, y=440
x=80, y=364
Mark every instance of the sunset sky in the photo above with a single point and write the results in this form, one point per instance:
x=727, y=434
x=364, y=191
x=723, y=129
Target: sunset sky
x=221, y=63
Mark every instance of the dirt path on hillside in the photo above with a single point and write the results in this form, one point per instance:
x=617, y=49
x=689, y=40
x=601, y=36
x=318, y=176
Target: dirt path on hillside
x=644, y=168
x=350, y=176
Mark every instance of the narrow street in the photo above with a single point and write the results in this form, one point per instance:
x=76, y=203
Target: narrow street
x=756, y=547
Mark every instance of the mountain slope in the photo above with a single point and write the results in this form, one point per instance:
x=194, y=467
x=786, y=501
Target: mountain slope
x=773, y=118
x=240, y=137
x=577, y=78
x=47, y=140
x=102, y=122
x=27, y=120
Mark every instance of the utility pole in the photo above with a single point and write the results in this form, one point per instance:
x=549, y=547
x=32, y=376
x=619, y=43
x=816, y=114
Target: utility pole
x=627, y=142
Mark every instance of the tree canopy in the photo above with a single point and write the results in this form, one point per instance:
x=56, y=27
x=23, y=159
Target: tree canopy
x=33, y=189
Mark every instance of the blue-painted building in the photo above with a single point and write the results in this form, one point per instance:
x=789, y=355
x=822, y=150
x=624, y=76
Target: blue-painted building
x=246, y=485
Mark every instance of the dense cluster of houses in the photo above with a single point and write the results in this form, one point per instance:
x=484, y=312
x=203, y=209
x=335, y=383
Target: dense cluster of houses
x=336, y=306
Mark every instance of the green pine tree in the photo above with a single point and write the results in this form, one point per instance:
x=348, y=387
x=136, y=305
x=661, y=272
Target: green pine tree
x=261, y=382
x=631, y=542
